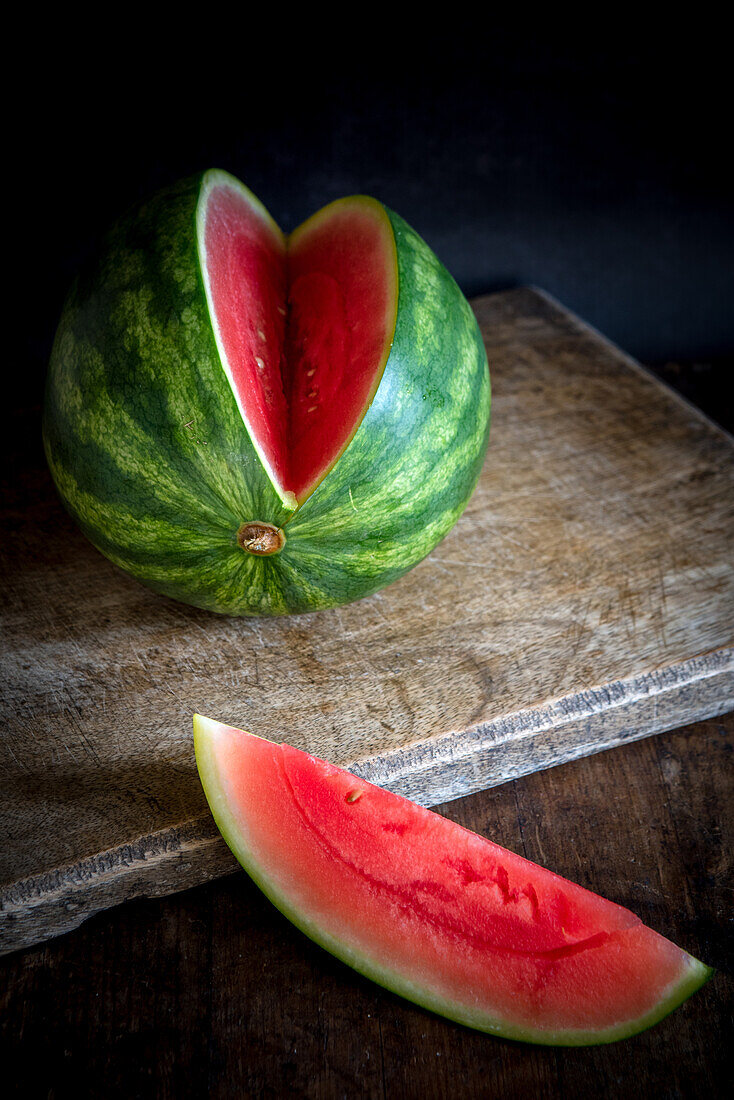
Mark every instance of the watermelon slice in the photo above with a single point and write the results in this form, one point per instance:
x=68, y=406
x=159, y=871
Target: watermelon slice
x=432, y=911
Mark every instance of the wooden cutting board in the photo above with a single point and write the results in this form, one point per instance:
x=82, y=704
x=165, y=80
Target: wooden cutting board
x=585, y=598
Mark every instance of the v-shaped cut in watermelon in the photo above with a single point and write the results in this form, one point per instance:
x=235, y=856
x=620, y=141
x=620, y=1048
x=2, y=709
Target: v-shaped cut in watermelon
x=304, y=324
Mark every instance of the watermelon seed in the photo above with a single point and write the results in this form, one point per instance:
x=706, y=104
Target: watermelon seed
x=352, y=796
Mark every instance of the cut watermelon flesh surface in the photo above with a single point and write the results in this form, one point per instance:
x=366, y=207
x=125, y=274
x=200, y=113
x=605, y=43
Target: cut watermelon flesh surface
x=303, y=324
x=431, y=910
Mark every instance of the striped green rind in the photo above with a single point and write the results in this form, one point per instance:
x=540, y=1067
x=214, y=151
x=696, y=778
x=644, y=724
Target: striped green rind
x=150, y=454
x=414, y=461
x=142, y=432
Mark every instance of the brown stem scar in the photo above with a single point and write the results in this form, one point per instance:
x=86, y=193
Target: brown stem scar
x=260, y=538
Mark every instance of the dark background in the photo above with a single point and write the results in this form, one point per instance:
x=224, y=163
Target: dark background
x=588, y=159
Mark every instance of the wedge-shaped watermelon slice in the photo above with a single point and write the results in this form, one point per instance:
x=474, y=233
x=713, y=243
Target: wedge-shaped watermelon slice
x=432, y=911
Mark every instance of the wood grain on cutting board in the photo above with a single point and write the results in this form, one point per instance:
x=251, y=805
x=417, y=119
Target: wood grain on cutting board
x=585, y=598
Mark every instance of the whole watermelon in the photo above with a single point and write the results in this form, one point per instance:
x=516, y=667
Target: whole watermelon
x=258, y=424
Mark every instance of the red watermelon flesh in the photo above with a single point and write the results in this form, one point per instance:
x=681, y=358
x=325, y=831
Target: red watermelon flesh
x=439, y=914
x=304, y=324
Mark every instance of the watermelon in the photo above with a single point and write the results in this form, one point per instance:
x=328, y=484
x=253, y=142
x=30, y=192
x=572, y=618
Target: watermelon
x=432, y=911
x=257, y=423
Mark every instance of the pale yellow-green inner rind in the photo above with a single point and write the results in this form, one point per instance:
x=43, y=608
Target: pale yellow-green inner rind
x=205, y=734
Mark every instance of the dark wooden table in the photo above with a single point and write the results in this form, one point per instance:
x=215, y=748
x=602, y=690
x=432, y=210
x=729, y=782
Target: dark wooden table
x=212, y=993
